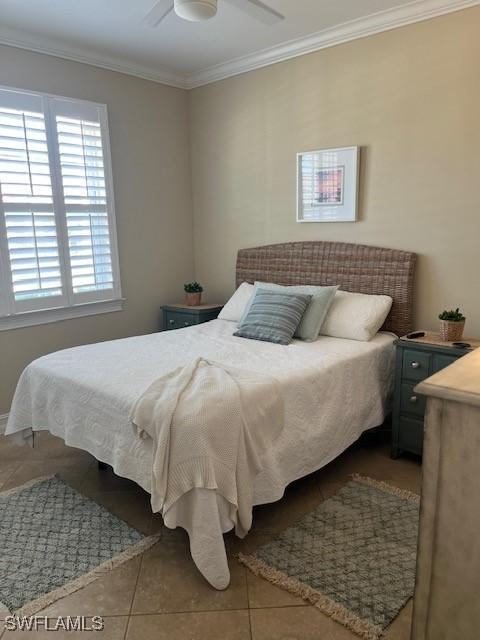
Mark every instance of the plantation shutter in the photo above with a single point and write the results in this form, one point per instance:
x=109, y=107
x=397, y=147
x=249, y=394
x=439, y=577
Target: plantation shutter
x=57, y=228
x=81, y=157
x=28, y=226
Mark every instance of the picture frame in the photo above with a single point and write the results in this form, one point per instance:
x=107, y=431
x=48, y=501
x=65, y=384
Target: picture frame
x=327, y=185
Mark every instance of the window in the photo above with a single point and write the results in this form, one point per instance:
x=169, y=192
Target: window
x=58, y=253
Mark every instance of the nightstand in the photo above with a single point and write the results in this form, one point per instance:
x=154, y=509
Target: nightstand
x=416, y=360
x=179, y=316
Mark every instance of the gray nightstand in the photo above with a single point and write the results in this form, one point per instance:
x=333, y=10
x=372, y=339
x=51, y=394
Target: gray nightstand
x=416, y=360
x=179, y=316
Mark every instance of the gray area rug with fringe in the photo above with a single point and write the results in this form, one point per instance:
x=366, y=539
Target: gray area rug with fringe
x=53, y=541
x=353, y=557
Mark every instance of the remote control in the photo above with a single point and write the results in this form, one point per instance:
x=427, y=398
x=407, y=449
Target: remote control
x=415, y=334
x=461, y=345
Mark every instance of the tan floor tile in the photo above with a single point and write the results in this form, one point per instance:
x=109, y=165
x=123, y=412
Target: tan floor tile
x=106, y=480
x=110, y=595
x=46, y=446
x=247, y=545
x=262, y=593
x=178, y=535
x=405, y=472
x=401, y=626
x=7, y=469
x=169, y=581
x=219, y=625
x=71, y=472
x=114, y=630
x=300, y=498
x=296, y=623
x=10, y=452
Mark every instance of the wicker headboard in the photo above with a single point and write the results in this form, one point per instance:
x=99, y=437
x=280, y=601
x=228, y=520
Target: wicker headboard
x=354, y=267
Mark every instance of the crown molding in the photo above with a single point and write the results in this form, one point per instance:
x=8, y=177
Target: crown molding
x=159, y=75
x=386, y=20
x=415, y=11
x=3, y=423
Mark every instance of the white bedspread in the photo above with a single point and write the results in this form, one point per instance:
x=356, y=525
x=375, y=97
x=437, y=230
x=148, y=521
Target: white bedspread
x=333, y=390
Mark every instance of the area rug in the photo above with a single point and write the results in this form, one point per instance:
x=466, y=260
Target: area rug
x=353, y=557
x=53, y=541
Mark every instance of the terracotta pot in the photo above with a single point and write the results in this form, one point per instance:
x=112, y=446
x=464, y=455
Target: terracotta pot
x=193, y=299
x=451, y=331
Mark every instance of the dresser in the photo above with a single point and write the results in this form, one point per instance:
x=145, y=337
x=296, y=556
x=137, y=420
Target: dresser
x=447, y=589
x=179, y=316
x=416, y=360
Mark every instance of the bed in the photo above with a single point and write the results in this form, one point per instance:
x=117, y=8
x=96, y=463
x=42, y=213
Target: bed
x=333, y=389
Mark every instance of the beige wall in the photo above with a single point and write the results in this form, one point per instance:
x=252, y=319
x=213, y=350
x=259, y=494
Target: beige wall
x=151, y=171
x=411, y=99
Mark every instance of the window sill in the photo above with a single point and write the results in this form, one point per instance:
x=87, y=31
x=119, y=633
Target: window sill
x=45, y=316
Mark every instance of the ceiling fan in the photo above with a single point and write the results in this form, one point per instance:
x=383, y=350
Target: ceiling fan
x=198, y=10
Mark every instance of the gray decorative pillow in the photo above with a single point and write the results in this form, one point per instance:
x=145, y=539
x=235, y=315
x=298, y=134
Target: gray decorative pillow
x=315, y=313
x=273, y=316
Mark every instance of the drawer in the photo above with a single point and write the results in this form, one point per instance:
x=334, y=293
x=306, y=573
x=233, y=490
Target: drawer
x=441, y=361
x=416, y=364
x=410, y=402
x=410, y=434
x=177, y=320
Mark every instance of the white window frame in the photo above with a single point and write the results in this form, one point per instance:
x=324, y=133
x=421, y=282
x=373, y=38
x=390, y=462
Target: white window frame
x=15, y=314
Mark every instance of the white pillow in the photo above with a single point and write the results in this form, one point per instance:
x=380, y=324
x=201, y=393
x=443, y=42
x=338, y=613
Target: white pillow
x=235, y=307
x=356, y=316
x=316, y=311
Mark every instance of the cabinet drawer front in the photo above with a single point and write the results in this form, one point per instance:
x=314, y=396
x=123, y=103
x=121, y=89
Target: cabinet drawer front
x=211, y=315
x=410, y=436
x=410, y=402
x=441, y=361
x=416, y=364
x=174, y=320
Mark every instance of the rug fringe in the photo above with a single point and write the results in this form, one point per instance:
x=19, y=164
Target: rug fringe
x=333, y=609
x=49, y=598
x=405, y=494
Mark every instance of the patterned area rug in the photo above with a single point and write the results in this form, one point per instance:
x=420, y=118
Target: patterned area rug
x=353, y=557
x=53, y=541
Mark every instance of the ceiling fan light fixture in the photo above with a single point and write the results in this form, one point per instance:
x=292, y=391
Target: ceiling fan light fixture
x=195, y=10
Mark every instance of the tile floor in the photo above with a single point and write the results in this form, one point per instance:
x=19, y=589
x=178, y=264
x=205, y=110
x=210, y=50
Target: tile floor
x=160, y=595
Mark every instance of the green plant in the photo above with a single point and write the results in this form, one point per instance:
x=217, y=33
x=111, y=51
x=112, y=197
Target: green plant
x=452, y=315
x=193, y=287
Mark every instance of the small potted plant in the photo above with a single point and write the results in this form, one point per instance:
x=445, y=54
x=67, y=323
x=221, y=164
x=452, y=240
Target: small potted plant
x=193, y=293
x=452, y=324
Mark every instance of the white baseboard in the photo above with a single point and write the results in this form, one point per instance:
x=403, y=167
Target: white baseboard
x=3, y=423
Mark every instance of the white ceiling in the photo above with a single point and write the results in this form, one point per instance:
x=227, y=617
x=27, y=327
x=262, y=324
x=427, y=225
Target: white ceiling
x=110, y=33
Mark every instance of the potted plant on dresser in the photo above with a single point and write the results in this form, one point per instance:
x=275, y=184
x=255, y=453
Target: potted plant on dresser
x=452, y=324
x=193, y=293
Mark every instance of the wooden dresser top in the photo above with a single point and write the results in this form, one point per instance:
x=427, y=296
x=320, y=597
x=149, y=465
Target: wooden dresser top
x=459, y=382
x=433, y=338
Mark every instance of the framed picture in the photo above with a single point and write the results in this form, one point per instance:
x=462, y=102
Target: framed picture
x=327, y=185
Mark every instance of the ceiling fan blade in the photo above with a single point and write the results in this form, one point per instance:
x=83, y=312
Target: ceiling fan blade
x=258, y=10
x=157, y=13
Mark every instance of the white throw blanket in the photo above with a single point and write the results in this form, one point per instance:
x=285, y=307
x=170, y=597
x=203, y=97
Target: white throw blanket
x=210, y=425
